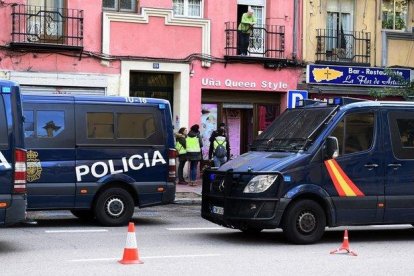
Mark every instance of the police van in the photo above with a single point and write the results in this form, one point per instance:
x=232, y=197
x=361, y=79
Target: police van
x=98, y=157
x=323, y=164
x=12, y=156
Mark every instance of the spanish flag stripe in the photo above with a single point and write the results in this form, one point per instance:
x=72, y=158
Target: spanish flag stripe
x=350, y=183
x=339, y=177
x=338, y=187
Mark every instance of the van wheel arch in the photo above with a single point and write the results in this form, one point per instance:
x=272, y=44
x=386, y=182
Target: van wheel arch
x=121, y=185
x=113, y=198
x=324, y=203
x=304, y=221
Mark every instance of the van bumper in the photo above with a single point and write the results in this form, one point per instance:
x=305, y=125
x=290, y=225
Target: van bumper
x=224, y=203
x=16, y=210
x=263, y=213
x=169, y=194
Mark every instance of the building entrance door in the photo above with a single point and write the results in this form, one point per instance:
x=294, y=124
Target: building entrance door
x=239, y=122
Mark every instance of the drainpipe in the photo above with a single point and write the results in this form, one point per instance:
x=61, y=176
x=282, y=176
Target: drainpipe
x=295, y=28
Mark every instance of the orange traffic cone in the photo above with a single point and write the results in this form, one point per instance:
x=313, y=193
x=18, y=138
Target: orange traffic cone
x=345, y=246
x=131, y=255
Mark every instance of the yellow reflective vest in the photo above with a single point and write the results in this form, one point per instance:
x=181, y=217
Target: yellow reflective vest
x=180, y=148
x=193, y=145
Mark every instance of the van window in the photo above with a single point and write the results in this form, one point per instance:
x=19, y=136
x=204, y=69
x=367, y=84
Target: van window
x=355, y=132
x=122, y=125
x=48, y=128
x=135, y=126
x=50, y=123
x=402, y=134
x=3, y=123
x=28, y=124
x=100, y=125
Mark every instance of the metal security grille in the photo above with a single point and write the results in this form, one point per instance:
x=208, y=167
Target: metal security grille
x=266, y=41
x=340, y=46
x=42, y=26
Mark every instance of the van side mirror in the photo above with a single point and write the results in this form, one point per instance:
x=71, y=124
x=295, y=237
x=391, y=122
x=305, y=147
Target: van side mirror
x=331, y=147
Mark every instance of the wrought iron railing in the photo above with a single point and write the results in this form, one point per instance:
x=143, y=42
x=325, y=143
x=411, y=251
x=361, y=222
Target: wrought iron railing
x=40, y=26
x=265, y=41
x=338, y=46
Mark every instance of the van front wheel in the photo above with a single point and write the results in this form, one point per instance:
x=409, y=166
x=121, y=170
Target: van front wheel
x=304, y=222
x=114, y=207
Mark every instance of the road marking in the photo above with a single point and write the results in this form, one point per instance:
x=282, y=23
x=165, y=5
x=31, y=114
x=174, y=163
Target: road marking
x=195, y=228
x=148, y=257
x=76, y=231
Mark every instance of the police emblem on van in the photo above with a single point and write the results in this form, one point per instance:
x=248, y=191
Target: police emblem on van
x=34, y=168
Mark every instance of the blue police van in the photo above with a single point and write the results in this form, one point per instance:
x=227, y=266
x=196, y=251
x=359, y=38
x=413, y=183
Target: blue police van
x=324, y=164
x=98, y=157
x=13, y=199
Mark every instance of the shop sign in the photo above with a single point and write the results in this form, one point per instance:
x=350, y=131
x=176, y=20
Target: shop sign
x=244, y=84
x=354, y=75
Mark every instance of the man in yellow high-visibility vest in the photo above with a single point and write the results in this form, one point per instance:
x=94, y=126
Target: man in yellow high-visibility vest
x=181, y=147
x=194, y=145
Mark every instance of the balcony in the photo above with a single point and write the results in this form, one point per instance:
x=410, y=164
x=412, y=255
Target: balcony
x=342, y=47
x=267, y=43
x=45, y=28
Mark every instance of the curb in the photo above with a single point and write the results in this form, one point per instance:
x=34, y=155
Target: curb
x=187, y=198
x=188, y=201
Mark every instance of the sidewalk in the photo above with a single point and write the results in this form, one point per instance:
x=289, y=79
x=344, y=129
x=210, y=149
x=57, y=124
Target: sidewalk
x=186, y=194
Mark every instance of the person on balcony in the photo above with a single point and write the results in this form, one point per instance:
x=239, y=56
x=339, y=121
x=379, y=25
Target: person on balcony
x=245, y=30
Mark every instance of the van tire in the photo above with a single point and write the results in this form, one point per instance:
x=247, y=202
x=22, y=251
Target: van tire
x=85, y=215
x=304, y=222
x=114, y=207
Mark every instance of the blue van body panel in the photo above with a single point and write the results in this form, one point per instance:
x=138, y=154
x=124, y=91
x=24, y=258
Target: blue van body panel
x=71, y=177
x=12, y=120
x=383, y=181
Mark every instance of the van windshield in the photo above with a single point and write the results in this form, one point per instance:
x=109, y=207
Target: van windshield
x=294, y=130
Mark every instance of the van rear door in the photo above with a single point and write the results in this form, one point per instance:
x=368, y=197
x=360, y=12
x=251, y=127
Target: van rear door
x=399, y=188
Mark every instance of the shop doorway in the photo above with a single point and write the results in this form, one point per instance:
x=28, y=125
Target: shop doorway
x=239, y=122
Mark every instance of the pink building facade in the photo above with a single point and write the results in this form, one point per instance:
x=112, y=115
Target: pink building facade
x=182, y=50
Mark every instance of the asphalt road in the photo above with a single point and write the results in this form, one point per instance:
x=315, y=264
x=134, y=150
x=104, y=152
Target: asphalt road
x=174, y=240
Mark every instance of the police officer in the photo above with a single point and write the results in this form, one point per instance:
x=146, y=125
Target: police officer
x=181, y=147
x=194, y=145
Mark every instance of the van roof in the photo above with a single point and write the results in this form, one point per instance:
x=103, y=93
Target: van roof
x=7, y=83
x=100, y=99
x=369, y=103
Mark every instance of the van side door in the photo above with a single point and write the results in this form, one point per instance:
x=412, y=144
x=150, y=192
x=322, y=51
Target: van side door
x=355, y=178
x=399, y=188
x=121, y=143
x=50, y=140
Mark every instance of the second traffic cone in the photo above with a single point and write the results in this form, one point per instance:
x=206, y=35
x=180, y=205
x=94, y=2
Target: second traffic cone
x=131, y=255
x=344, y=246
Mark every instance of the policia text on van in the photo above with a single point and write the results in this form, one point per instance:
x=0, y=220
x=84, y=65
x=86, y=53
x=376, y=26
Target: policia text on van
x=99, y=156
x=12, y=156
x=344, y=162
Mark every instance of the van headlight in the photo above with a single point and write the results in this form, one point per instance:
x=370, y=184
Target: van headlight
x=259, y=184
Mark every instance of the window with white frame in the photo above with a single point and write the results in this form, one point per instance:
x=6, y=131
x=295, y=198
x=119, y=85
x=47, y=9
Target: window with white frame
x=394, y=14
x=119, y=5
x=189, y=8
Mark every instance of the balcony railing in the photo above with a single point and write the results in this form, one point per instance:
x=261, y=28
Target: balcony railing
x=339, y=47
x=266, y=41
x=35, y=26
